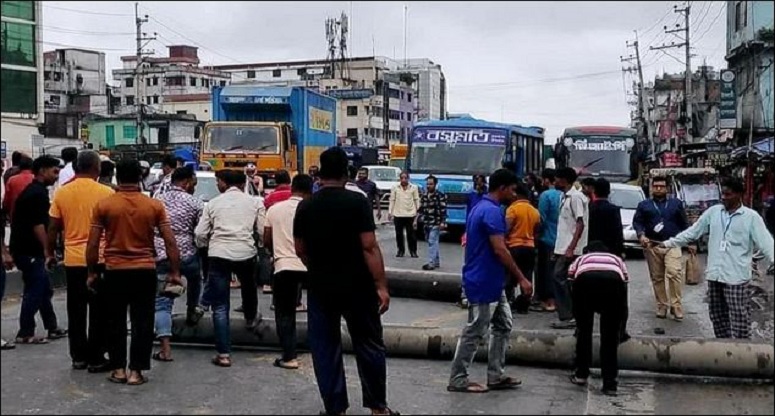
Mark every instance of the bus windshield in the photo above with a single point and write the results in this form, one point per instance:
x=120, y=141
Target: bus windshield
x=599, y=154
x=241, y=139
x=456, y=150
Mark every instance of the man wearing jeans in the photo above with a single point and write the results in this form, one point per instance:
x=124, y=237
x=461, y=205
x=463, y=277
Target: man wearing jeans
x=572, y=231
x=183, y=211
x=433, y=210
x=29, y=247
x=484, y=277
x=549, y=208
x=227, y=229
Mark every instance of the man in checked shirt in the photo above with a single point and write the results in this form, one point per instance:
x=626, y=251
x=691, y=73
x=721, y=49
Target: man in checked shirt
x=433, y=210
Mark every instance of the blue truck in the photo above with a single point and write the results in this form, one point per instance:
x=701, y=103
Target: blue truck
x=272, y=127
x=456, y=150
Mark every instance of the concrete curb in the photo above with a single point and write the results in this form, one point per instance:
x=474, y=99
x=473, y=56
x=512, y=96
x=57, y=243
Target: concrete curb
x=712, y=358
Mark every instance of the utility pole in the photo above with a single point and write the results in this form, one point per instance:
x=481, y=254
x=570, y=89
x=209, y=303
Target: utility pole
x=643, y=106
x=140, y=38
x=688, y=71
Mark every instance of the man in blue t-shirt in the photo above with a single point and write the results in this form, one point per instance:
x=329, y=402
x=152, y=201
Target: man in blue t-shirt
x=487, y=262
x=549, y=208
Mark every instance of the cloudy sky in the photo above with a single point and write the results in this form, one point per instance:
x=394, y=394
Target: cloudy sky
x=551, y=64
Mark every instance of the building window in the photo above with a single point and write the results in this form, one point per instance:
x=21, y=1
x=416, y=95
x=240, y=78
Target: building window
x=409, y=97
x=130, y=100
x=192, y=82
x=222, y=83
x=402, y=95
x=301, y=71
x=352, y=110
x=19, y=91
x=155, y=81
x=156, y=99
x=147, y=100
x=741, y=15
x=205, y=82
x=181, y=112
x=129, y=82
x=277, y=73
x=130, y=132
x=19, y=9
x=18, y=43
x=174, y=81
x=352, y=133
x=251, y=74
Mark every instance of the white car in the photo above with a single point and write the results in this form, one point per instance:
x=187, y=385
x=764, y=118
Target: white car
x=627, y=197
x=385, y=177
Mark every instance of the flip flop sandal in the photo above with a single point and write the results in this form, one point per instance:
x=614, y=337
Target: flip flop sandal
x=139, y=382
x=158, y=357
x=301, y=308
x=57, y=334
x=470, y=388
x=279, y=363
x=505, y=384
x=7, y=346
x=32, y=341
x=221, y=361
x=118, y=380
x=577, y=381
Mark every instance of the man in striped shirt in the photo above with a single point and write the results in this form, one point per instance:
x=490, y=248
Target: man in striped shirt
x=599, y=282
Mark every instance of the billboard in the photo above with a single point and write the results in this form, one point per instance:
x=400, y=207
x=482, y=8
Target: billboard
x=727, y=114
x=463, y=136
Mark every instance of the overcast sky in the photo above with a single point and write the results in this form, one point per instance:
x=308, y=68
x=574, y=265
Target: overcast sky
x=551, y=64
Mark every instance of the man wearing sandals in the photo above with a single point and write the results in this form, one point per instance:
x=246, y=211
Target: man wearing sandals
x=29, y=247
x=129, y=219
x=484, y=279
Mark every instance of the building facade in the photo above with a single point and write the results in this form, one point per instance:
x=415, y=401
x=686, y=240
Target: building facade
x=21, y=104
x=160, y=129
x=750, y=55
x=174, y=79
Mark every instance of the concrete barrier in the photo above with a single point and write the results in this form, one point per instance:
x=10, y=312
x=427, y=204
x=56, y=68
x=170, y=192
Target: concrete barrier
x=427, y=285
x=717, y=358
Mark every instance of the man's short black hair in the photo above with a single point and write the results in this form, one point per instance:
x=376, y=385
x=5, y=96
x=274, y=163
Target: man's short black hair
x=25, y=163
x=475, y=177
x=128, y=172
x=522, y=190
x=548, y=174
x=352, y=172
x=659, y=179
x=44, y=162
x=433, y=178
x=182, y=174
x=107, y=169
x=333, y=163
x=170, y=161
x=588, y=182
x=733, y=184
x=16, y=157
x=282, y=177
x=232, y=177
x=567, y=173
x=602, y=188
x=69, y=154
x=302, y=183
x=363, y=170
x=502, y=177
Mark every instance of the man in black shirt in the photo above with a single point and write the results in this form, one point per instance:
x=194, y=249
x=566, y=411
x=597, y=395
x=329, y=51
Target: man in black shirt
x=335, y=239
x=28, y=247
x=370, y=188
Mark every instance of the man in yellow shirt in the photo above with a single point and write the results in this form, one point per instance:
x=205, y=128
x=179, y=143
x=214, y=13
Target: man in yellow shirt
x=522, y=225
x=71, y=214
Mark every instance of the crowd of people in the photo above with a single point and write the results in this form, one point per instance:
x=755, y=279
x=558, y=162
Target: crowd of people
x=129, y=253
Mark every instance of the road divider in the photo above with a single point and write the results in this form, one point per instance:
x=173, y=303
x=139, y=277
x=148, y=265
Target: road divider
x=425, y=285
x=689, y=356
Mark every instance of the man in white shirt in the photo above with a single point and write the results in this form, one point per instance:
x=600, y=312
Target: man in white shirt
x=289, y=271
x=226, y=229
x=572, y=231
x=69, y=154
x=403, y=208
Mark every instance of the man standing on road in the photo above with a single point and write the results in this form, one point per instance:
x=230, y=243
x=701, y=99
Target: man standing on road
x=735, y=232
x=227, y=228
x=404, y=204
x=522, y=225
x=370, y=189
x=129, y=220
x=433, y=210
x=488, y=267
x=168, y=165
x=29, y=247
x=254, y=183
x=477, y=194
x=572, y=230
x=282, y=192
x=183, y=211
x=16, y=158
x=71, y=214
x=605, y=220
x=69, y=154
x=289, y=271
x=659, y=219
x=335, y=238
x=17, y=184
x=549, y=209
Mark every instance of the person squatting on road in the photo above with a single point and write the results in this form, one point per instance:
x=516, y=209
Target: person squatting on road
x=735, y=232
x=334, y=234
x=656, y=220
x=488, y=264
x=227, y=229
x=433, y=211
x=183, y=211
x=71, y=215
x=599, y=281
x=289, y=271
x=129, y=219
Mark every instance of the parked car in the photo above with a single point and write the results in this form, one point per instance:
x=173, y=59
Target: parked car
x=385, y=177
x=627, y=197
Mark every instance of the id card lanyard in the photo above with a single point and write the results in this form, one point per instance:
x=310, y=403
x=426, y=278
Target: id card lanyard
x=725, y=224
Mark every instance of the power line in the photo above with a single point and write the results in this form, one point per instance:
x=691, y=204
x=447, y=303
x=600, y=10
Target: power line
x=700, y=19
x=84, y=32
x=643, y=32
x=538, y=81
x=193, y=41
x=86, y=11
x=710, y=26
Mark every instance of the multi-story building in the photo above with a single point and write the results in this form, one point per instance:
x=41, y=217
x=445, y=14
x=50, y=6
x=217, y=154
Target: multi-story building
x=170, y=85
x=749, y=54
x=378, y=99
x=21, y=104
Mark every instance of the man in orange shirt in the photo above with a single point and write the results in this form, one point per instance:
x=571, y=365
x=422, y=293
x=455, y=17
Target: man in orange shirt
x=522, y=225
x=129, y=219
x=16, y=185
x=71, y=213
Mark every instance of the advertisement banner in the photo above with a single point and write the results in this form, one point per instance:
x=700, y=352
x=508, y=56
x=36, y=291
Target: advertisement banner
x=462, y=136
x=321, y=120
x=727, y=114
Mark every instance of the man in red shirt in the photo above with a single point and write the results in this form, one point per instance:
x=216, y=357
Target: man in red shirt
x=283, y=190
x=16, y=185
